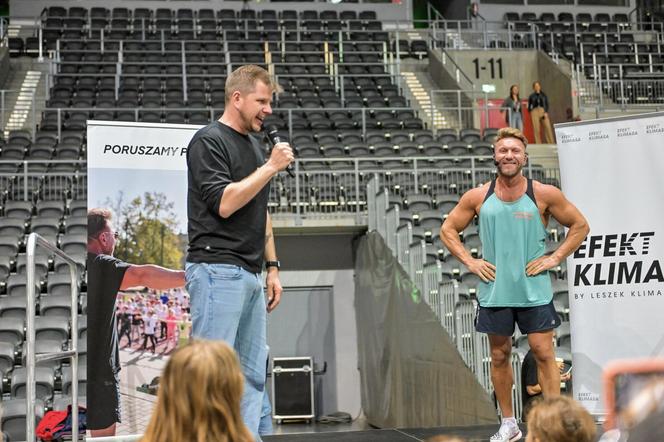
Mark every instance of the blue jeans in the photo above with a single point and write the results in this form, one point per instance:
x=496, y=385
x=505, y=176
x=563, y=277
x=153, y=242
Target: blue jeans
x=516, y=120
x=228, y=303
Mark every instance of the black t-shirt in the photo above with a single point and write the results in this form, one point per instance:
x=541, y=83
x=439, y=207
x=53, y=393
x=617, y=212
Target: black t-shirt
x=125, y=320
x=217, y=156
x=536, y=100
x=105, y=275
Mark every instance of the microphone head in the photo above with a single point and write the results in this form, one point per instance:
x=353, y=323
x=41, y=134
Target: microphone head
x=272, y=132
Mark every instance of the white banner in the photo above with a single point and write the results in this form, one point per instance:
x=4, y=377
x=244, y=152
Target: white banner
x=126, y=145
x=611, y=169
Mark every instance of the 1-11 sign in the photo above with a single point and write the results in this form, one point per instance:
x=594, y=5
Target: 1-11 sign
x=493, y=63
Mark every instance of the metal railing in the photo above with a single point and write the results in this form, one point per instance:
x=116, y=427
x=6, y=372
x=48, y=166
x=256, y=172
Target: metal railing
x=404, y=239
x=463, y=81
x=30, y=181
x=471, y=108
x=32, y=358
x=57, y=124
x=417, y=253
x=323, y=188
x=622, y=92
x=4, y=26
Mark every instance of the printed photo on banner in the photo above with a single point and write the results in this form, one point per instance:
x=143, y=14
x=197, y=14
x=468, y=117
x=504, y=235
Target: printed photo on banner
x=138, y=309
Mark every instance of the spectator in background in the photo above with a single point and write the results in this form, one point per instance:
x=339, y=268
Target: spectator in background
x=512, y=108
x=560, y=419
x=164, y=298
x=171, y=326
x=162, y=313
x=136, y=323
x=148, y=333
x=124, y=318
x=184, y=330
x=538, y=106
x=199, y=397
x=530, y=387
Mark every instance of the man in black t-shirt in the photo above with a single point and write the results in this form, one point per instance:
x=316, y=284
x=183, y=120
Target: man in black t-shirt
x=106, y=276
x=230, y=233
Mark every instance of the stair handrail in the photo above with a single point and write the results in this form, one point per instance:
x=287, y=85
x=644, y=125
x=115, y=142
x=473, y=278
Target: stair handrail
x=35, y=240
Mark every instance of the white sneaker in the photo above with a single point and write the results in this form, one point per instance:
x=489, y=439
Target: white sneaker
x=507, y=433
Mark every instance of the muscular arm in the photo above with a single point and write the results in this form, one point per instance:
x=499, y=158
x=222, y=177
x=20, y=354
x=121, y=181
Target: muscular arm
x=567, y=215
x=274, y=288
x=152, y=276
x=237, y=195
x=457, y=220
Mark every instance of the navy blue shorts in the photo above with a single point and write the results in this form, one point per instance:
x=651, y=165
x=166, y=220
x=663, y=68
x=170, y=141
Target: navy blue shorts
x=500, y=320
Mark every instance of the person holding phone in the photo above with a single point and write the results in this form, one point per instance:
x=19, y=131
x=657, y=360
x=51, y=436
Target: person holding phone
x=530, y=385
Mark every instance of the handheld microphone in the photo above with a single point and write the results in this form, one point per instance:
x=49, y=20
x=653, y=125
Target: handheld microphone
x=273, y=134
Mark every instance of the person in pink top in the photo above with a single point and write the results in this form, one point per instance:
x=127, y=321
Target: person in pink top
x=171, y=325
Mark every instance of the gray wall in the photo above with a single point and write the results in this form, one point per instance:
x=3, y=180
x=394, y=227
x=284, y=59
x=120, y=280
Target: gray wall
x=335, y=329
x=556, y=80
x=4, y=66
x=439, y=73
x=385, y=11
x=325, y=251
x=303, y=325
x=518, y=67
x=317, y=271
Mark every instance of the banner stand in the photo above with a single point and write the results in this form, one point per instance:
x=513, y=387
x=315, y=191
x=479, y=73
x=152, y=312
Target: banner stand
x=611, y=169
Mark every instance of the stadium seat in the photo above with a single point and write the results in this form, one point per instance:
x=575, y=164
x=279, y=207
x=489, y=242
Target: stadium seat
x=67, y=379
x=55, y=328
x=45, y=379
x=13, y=417
x=12, y=330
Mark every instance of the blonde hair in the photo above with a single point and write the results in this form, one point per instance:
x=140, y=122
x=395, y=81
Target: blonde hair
x=560, y=419
x=510, y=132
x=199, y=397
x=244, y=78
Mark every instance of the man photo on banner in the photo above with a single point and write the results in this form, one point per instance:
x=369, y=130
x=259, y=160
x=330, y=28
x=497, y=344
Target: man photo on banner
x=515, y=287
x=230, y=233
x=106, y=276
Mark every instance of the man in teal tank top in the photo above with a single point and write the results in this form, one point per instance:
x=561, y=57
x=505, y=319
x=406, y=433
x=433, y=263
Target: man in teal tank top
x=513, y=212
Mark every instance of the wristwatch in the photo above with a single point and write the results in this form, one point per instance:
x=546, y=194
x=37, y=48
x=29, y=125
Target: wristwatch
x=269, y=264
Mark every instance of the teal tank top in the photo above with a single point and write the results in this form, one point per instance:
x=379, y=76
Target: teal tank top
x=512, y=235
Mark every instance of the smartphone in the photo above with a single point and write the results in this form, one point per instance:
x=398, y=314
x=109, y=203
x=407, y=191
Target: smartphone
x=626, y=380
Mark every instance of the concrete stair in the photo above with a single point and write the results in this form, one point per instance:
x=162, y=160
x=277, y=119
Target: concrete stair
x=418, y=85
x=27, y=82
